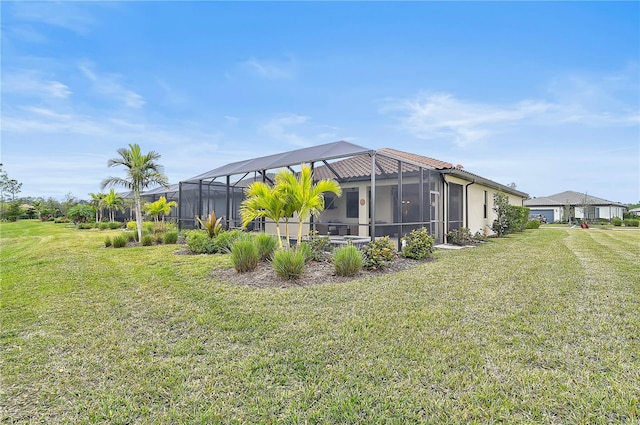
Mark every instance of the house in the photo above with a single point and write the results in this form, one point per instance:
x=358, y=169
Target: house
x=385, y=192
x=569, y=205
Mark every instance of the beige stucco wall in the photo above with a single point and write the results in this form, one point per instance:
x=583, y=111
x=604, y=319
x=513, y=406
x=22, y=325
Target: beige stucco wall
x=474, y=201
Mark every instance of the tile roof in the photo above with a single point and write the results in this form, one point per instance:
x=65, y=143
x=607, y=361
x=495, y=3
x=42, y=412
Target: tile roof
x=359, y=166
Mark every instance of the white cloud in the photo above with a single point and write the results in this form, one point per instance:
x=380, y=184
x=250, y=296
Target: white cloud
x=442, y=115
x=108, y=85
x=284, y=128
x=271, y=69
x=602, y=102
x=28, y=82
x=68, y=15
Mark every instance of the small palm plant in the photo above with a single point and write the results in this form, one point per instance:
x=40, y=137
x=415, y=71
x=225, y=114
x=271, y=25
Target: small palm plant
x=213, y=225
x=160, y=208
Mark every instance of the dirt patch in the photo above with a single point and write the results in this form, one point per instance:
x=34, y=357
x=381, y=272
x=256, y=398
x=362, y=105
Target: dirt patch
x=316, y=273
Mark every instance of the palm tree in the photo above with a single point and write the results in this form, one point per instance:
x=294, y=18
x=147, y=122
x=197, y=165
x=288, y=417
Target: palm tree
x=97, y=203
x=142, y=171
x=304, y=197
x=113, y=202
x=160, y=208
x=263, y=201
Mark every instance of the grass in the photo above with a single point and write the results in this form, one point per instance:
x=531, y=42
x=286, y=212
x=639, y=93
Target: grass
x=539, y=327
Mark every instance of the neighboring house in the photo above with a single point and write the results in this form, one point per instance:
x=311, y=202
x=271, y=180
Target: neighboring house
x=385, y=192
x=635, y=211
x=568, y=206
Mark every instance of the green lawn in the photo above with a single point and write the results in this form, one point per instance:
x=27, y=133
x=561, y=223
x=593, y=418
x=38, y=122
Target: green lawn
x=539, y=327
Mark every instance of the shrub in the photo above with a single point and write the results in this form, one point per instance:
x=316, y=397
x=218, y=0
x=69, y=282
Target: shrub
x=61, y=220
x=84, y=226
x=266, y=245
x=378, y=253
x=147, y=240
x=158, y=238
x=171, y=237
x=244, y=255
x=103, y=226
x=305, y=250
x=461, y=237
x=107, y=242
x=81, y=213
x=148, y=227
x=320, y=246
x=533, y=224
x=225, y=240
x=288, y=263
x=517, y=216
x=211, y=224
x=631, y=222
x=132, y=236
x=119, y=241
x=131, y=225
x=616, y=221
x=347, y=261
x=199, y=242
x=113, y=225
x=417, y=244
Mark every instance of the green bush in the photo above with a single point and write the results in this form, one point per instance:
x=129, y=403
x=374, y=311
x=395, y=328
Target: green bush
x=460, y=237
x=305, y=249
x=266, y=245
x=631, y=222
x=119, y=241
x=81, y=213
x=147, y=240
x=85, y=226
x=61, y=220
x=103, y=226
x=158, y=239
x=517, y=216
x=225, y=240
x=378, y=253
x=148, y=227
x=288, y=263
x=131, y=225
x=171, y=237
x=616, y=221
x=244, y=255
x=417, y=244
x=132, y=236
x=347, y=261
x=533, y=224
x=320, y=246
x=113, y=225
x=107, y=242
x=199, y=242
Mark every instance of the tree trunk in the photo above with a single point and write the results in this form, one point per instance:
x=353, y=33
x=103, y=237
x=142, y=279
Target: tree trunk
x=136, y=200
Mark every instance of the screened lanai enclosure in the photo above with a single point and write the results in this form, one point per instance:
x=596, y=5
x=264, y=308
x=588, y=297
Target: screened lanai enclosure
x=385, y=192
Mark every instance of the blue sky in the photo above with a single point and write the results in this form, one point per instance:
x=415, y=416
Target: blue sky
x=545, y=95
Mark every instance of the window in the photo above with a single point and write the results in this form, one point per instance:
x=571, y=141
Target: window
x=484, y=203
x=455, y=206
x=329, y=201
x=352, y=204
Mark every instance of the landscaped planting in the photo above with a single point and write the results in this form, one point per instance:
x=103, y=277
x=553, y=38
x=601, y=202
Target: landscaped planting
x=289, y=263
x=266, y=246
x=377, y=254
x=244, y=255
x=347, y=261
x=536, y=327
x=418, y=244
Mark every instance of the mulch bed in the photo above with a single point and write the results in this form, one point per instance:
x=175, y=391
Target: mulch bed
x=316, y=273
